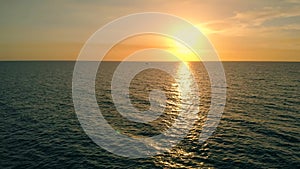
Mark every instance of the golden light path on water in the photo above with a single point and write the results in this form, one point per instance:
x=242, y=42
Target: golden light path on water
x=184, y=87
x=184, y=77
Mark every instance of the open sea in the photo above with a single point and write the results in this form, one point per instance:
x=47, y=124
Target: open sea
x=260, y=126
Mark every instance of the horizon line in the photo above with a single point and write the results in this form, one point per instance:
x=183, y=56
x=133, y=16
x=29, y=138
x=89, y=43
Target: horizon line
x=27, y=60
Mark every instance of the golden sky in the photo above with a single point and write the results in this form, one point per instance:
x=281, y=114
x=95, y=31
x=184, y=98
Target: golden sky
x=255, y=30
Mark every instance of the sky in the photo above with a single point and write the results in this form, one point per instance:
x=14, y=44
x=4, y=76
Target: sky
x=255, y=30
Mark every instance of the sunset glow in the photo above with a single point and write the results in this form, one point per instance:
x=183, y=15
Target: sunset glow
x=239, y=30
x=182, y=52
x=150, y=84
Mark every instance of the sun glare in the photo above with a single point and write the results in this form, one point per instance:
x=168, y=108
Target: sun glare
x=179, y=49
x=182, y=52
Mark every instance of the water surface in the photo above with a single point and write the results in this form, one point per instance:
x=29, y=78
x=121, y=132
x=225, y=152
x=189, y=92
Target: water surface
x=259, y=127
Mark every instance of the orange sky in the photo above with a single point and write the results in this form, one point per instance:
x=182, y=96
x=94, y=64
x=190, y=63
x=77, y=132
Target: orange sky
x=240, y=30
x=143, y=42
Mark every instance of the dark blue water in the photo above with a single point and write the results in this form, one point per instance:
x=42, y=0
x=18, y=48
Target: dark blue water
x=259, y=128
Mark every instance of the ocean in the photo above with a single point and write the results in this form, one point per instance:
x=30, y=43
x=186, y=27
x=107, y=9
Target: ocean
x=259, y=127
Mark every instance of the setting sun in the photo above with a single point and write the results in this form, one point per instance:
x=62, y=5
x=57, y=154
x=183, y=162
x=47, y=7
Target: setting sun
x=181, y=51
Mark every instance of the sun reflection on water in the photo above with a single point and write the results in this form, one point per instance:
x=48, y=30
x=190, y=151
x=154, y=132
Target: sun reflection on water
x=184, y=78
x=184, y=154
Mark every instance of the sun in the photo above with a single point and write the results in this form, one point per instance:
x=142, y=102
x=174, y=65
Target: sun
x=182, y=52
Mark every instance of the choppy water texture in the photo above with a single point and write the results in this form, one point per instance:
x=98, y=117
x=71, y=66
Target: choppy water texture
x=259, y=127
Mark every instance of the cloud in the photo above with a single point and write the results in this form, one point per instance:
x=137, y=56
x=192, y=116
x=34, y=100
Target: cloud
x=251, y=22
